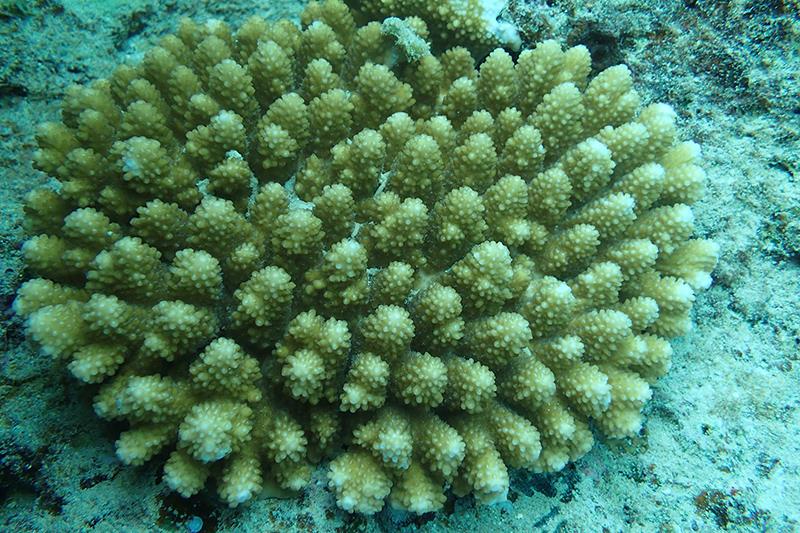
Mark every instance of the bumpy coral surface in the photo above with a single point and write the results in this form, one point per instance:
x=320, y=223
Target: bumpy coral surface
x=274, y=246
x=471, y=23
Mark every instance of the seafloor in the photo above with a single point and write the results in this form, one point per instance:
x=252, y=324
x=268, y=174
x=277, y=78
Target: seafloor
x=721, y=449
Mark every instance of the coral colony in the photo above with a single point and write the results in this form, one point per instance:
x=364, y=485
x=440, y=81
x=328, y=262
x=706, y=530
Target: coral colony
x=278, y=246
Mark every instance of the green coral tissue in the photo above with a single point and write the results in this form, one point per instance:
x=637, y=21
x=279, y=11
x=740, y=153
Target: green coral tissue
x=279, y=246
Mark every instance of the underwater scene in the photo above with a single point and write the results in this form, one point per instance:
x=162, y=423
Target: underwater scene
x=399, y=265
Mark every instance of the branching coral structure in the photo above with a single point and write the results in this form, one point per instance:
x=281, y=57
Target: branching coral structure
x=471, y=23
x=279, y=246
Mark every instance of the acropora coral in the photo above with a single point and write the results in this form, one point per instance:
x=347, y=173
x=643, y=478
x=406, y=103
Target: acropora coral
x=474, y=24
x=279, y=246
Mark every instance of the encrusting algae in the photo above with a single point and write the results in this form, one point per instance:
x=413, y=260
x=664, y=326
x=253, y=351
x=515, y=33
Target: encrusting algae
x=282, y=245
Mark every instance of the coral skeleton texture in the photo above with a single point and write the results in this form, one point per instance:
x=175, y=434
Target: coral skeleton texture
x=277, y=246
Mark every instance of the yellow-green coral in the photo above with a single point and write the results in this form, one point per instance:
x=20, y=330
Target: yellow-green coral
x=472, y=23
x=276, y=245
